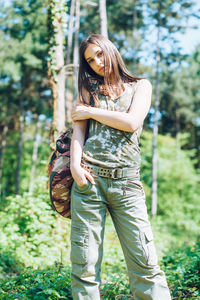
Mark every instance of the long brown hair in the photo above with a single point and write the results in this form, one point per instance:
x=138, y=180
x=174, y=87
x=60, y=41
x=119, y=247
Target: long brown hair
x=113, y=61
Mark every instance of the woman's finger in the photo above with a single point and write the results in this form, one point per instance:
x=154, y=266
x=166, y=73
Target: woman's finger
x=76, y=118
x=89, y=177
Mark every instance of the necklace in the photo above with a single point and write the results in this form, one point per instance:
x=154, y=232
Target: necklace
x=103, y=90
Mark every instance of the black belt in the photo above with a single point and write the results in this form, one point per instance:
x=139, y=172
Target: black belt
x=112, y=173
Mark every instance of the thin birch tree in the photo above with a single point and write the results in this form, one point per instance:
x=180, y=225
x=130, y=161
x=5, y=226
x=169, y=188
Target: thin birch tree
x=134, y=35
x=2, y=149
x=75, y=53
x=103, y=18
x=70, y=31
x=69, y=65
x=20, y=146
x=35, y=154
x=155, y=123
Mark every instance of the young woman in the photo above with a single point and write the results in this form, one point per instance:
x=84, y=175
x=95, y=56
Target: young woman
x=106, y=171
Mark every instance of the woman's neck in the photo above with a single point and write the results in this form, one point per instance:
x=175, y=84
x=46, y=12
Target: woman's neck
x=114, y=89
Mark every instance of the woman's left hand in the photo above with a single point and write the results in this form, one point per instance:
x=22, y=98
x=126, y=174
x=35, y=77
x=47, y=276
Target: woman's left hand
x=81, y=112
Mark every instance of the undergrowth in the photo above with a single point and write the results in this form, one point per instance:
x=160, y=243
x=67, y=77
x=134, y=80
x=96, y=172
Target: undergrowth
x=182, y=269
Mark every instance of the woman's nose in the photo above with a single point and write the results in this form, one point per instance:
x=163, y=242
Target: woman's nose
x=98, y=61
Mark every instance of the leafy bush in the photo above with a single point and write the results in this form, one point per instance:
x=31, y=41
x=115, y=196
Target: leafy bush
x=31, y=232
x=9, y=263
x=182, y=268
x=52, y=283
x=116, y=286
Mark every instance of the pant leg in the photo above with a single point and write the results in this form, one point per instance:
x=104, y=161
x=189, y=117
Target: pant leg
x=88, y=212
x=128, y=211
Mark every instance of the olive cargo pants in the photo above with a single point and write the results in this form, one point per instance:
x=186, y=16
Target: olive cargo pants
x=125, y=200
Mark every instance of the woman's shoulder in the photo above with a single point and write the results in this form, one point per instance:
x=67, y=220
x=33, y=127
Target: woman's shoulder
x=143, y=82
x=139, y=79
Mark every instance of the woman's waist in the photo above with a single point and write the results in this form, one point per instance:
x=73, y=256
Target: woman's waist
x=110, y=172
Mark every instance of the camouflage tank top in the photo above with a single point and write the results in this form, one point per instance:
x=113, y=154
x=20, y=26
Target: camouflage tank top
x=110, y=147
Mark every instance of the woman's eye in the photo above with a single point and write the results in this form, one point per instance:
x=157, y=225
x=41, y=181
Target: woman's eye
x=100, y=53
x=90, y=61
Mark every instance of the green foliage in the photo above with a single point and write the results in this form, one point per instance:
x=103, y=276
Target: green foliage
x=30, y=233
x=182, y=268
x=10, y=162
x=10, y=159
x=178, y=187
x=115, y=287
x=180, y=91
x=9, y=262
x=23, y=67
x=52, y=283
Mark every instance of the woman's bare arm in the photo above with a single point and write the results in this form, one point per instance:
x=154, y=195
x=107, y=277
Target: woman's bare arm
x=79, y=174
x=126, y=121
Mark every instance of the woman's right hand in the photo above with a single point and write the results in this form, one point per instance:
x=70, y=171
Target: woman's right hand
x=81, y=175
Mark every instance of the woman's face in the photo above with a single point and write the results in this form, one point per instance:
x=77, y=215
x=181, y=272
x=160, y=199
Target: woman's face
x=95, y=58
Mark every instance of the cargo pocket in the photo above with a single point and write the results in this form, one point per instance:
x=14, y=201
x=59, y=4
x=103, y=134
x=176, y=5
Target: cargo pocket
x=79, y=245
x=148, y=246
x=133, y=187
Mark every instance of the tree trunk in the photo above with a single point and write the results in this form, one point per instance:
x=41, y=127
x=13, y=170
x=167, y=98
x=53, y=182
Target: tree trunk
x=34, y=155
x=68, y=65
x=2, y=149
x=59, y=112
x=155, y=125
x=197, y=143
x=178, y=146
x=76, y=55
x=134, y=35
x=20, y=147
x=103, y=17
x=70, y=31
x=56, y=66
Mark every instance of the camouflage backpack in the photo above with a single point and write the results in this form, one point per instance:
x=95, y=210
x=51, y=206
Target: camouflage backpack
x=60, y=175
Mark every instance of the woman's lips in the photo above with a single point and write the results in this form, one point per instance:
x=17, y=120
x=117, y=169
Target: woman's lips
x=101, y=69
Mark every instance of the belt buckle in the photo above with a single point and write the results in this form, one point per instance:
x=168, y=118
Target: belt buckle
x=113, y=174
